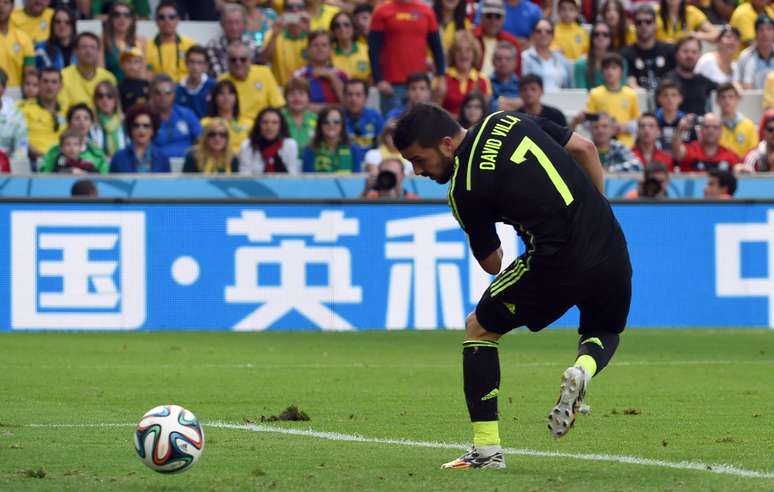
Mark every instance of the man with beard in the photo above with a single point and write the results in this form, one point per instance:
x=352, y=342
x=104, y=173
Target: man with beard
x=648, y=60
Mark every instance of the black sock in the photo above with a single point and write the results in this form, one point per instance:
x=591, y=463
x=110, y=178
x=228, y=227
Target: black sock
x=481, y=374
x=600, y=346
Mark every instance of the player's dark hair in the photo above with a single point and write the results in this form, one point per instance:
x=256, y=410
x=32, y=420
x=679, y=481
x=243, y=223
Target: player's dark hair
x=612, y=59
x=424, y=124
x=531, y=78
x=664, y=85
x=725, y=180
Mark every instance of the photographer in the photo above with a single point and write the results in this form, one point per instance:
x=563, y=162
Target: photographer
x=388, y=182
x=654, y=184
x=706, y=153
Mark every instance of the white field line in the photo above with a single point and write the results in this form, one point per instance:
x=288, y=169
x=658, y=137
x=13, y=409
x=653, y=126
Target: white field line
x=248, y=365
x=720, y=469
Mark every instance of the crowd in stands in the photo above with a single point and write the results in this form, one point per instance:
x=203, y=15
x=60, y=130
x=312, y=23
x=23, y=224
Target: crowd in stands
x=284, y=87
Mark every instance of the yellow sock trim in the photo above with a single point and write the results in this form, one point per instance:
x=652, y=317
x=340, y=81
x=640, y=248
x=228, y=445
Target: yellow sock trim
x=587, y=362
x=486, y=434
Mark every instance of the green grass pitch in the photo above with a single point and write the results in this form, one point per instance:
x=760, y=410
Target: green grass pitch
x=677, y=396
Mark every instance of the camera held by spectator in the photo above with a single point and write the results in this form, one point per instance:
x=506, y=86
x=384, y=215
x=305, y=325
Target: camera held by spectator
x=387, y=182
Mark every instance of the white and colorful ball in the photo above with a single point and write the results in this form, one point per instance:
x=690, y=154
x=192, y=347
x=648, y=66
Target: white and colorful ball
x=169, y=439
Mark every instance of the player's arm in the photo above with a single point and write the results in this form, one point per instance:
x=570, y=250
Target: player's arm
x=585, y=153
x=492, y=263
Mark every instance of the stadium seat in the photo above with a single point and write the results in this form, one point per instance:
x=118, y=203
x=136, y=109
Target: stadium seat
x=572, y=101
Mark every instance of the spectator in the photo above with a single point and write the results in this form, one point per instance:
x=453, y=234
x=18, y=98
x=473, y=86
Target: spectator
x=719, y=65
x=58, y=51
x=696, y=88
x=134, y=87
x=588, y=69
x=646, y=146
x=43, y=116
x=300, y=121
x=669, y=98
x=490, y=33
x=30, y=87
x=473, y=109
x=504, y=82
x=179, y=127
x=655, y=183
x=320, y=14
x=80, y=119
x=614, y=156
x=259, y=21
x=451, y=17
x=364, y=125
x=706, y=153
x=34, y=19
x=99, y=8
x=388, y=182
x=618, y=101
x=233, y=22
x=531, y=92
x=269, y=149
x=255, y=84
x=286, y=45
x=552, y=67
x=80, y=80
x=166, y=51
x=614, y=16
x=768, y=92
x=648, y=60
x=224, y=105
x=84, y=187
x=397, y=48
x=740, y=134
x=419, y=90
x=330, y=150
x=140, y=155
x=326, y=83
x=677, y=20
x=212, y=155
x=13, y=129
x=362, y=15
x=108, y=132
x=386, y=150
x=744, y=16
x=16, y=50
x=194, y=90
x=68, y=159
x=119, y=33
x=570, y=37
x=757, y=61
x=349, y=55
x=521, y=18
x=721, y=185
x=761, y=159
x=461, y=77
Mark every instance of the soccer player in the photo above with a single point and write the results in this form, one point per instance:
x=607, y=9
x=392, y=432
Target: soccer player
x=547, y=183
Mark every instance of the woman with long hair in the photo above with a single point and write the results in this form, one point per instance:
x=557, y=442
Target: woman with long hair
x=224, y=104
x=212, y=154
x=58, y=51
x=269, y=148
x=473, y=110
x=461, y=76
x=676, y=19
x=349, y=55
x=119, y=33
x=614, y=16
x=140, y=155
x=588, y=69
x=720, y=65
x=108, y=132
x=330, y=150
x=451, y=18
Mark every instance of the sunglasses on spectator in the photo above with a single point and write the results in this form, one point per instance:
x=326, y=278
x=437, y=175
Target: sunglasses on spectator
x=493, y=16
x=337, y=25
x=217, y=135
x=643, y=21
x=104, y=95
x=122, y=13
x=600, y=34
x=142, y=125
x=770, y=129
x=165, y=17
x=332, y=121
x=237, y=59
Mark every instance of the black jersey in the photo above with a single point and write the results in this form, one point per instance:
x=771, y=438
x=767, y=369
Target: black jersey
x=513, y=168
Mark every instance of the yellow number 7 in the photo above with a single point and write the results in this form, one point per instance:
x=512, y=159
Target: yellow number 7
x=519, y=156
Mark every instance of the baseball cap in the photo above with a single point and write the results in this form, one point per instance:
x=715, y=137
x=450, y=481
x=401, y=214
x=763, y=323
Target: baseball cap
x=761, y=20
x=493, y=7
x=130, y=52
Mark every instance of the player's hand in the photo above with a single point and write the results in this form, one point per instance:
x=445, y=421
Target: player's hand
x=385, y=88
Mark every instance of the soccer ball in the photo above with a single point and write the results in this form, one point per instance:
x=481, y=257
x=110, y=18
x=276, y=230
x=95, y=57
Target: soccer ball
x=169, y=439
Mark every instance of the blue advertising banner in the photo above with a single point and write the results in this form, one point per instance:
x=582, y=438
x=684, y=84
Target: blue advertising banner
x=244, y=267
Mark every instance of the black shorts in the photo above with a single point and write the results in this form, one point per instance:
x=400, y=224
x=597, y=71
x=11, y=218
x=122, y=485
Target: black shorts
x=533, y=298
